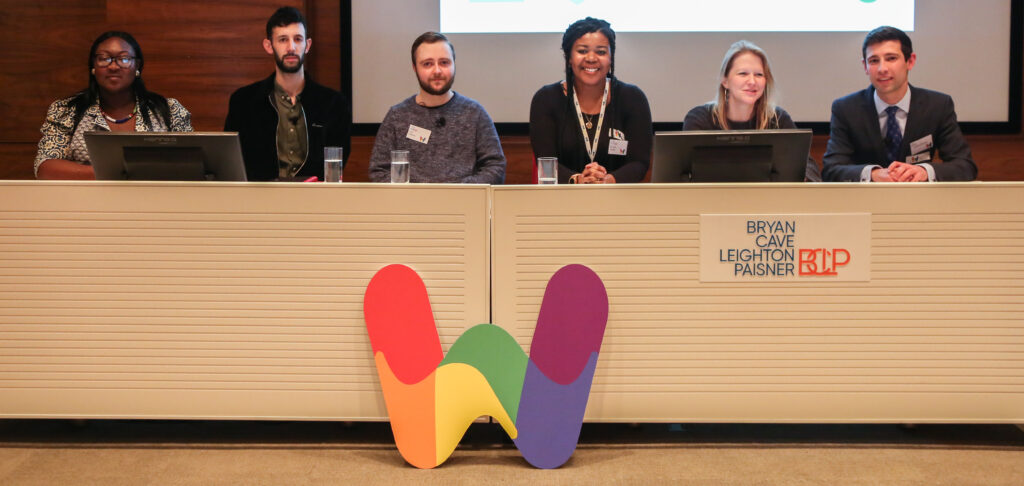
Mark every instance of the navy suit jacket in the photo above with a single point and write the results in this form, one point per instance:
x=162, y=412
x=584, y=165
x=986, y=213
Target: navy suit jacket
x=856, y=137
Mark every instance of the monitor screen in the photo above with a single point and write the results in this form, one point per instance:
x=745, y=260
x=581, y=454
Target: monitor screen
x=166, y=156
x=731, y=156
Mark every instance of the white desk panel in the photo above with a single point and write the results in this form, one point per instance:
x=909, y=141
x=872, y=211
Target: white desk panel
x=937, y=334
x=219, y=300
x=164, y=300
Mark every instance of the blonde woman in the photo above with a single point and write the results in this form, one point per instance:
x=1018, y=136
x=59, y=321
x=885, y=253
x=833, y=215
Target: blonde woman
x=745, y=99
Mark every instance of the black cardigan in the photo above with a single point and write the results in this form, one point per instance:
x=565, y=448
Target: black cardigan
x=252, y=113
x=555, y=132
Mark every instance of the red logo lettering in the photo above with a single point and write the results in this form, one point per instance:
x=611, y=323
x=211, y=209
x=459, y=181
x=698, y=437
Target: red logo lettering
x=822, y=261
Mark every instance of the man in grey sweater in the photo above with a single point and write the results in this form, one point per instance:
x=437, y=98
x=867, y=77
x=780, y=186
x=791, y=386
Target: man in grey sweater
x=450, y=138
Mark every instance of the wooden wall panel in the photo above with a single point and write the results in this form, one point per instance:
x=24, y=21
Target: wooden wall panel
x=999, y=158
x=200, y=60
x=196, y=51
x=46, y=55
x=324, y=28
x=16, y=160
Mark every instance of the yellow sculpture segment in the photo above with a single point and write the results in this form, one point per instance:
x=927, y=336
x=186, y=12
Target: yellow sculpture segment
x=463, y=394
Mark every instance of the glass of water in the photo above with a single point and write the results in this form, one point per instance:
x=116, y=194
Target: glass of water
x=332, y=164
x=547, y=170
x=399, y=166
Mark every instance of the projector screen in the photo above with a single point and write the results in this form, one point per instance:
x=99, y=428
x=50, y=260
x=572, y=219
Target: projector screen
x=963, y=49
x=507, y=16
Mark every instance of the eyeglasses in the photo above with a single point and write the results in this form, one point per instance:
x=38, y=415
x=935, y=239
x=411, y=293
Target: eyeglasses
x=123, y=61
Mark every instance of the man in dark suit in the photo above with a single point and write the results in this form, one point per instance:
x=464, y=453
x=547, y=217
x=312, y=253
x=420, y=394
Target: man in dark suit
x=890, y=132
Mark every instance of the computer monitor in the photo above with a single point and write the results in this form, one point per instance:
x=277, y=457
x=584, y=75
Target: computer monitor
x=166, y=156
x=731, y=156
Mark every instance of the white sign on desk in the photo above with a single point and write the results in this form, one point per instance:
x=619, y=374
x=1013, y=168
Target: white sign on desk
x=785, y=247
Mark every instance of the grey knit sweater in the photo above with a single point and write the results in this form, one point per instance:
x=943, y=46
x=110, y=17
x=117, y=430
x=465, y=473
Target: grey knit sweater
x=463, y=144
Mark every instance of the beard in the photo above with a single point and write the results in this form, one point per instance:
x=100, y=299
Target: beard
x=286, y=68
x=437, y=92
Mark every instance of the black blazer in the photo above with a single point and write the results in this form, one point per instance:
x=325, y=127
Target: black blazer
x=856, y=137
x=252, y=113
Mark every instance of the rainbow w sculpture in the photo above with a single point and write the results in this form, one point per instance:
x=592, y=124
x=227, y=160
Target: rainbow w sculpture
x=539, y=399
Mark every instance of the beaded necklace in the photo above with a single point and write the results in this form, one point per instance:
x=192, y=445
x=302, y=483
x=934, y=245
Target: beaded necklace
x=122, y=120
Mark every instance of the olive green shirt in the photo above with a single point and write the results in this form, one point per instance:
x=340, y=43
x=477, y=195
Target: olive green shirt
x=292, y=143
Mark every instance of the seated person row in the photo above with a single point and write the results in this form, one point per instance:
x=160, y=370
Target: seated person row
x=283, y=122
x=567, y=119
x=562, y=115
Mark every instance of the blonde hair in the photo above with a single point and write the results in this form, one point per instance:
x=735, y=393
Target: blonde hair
x=764, y=114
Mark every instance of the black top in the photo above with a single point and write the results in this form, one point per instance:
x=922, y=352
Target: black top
x=700, y=118
x=555, y=132
x=253, y=114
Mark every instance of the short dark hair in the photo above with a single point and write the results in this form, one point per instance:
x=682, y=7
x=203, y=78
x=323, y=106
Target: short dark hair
x=286, y=16
x=887, y=33
x=430, y=38
x=579, y=29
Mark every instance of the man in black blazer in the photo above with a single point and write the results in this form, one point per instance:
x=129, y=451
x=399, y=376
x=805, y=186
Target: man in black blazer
x=890, y=132
x=285, y=121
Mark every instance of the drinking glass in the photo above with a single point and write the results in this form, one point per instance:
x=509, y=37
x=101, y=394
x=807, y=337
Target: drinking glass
x=332, y=164
x=547, y=170
x=399, y=166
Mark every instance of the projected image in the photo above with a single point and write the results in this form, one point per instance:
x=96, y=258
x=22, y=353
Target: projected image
x=512, y=16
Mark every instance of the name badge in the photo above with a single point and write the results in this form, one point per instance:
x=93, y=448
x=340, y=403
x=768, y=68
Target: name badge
x=916, y=159
x=617, y=147
x=921, y=144
x=421, y=135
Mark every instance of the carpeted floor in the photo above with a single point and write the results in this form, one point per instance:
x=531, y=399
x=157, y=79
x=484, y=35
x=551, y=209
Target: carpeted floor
x=116, y=452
